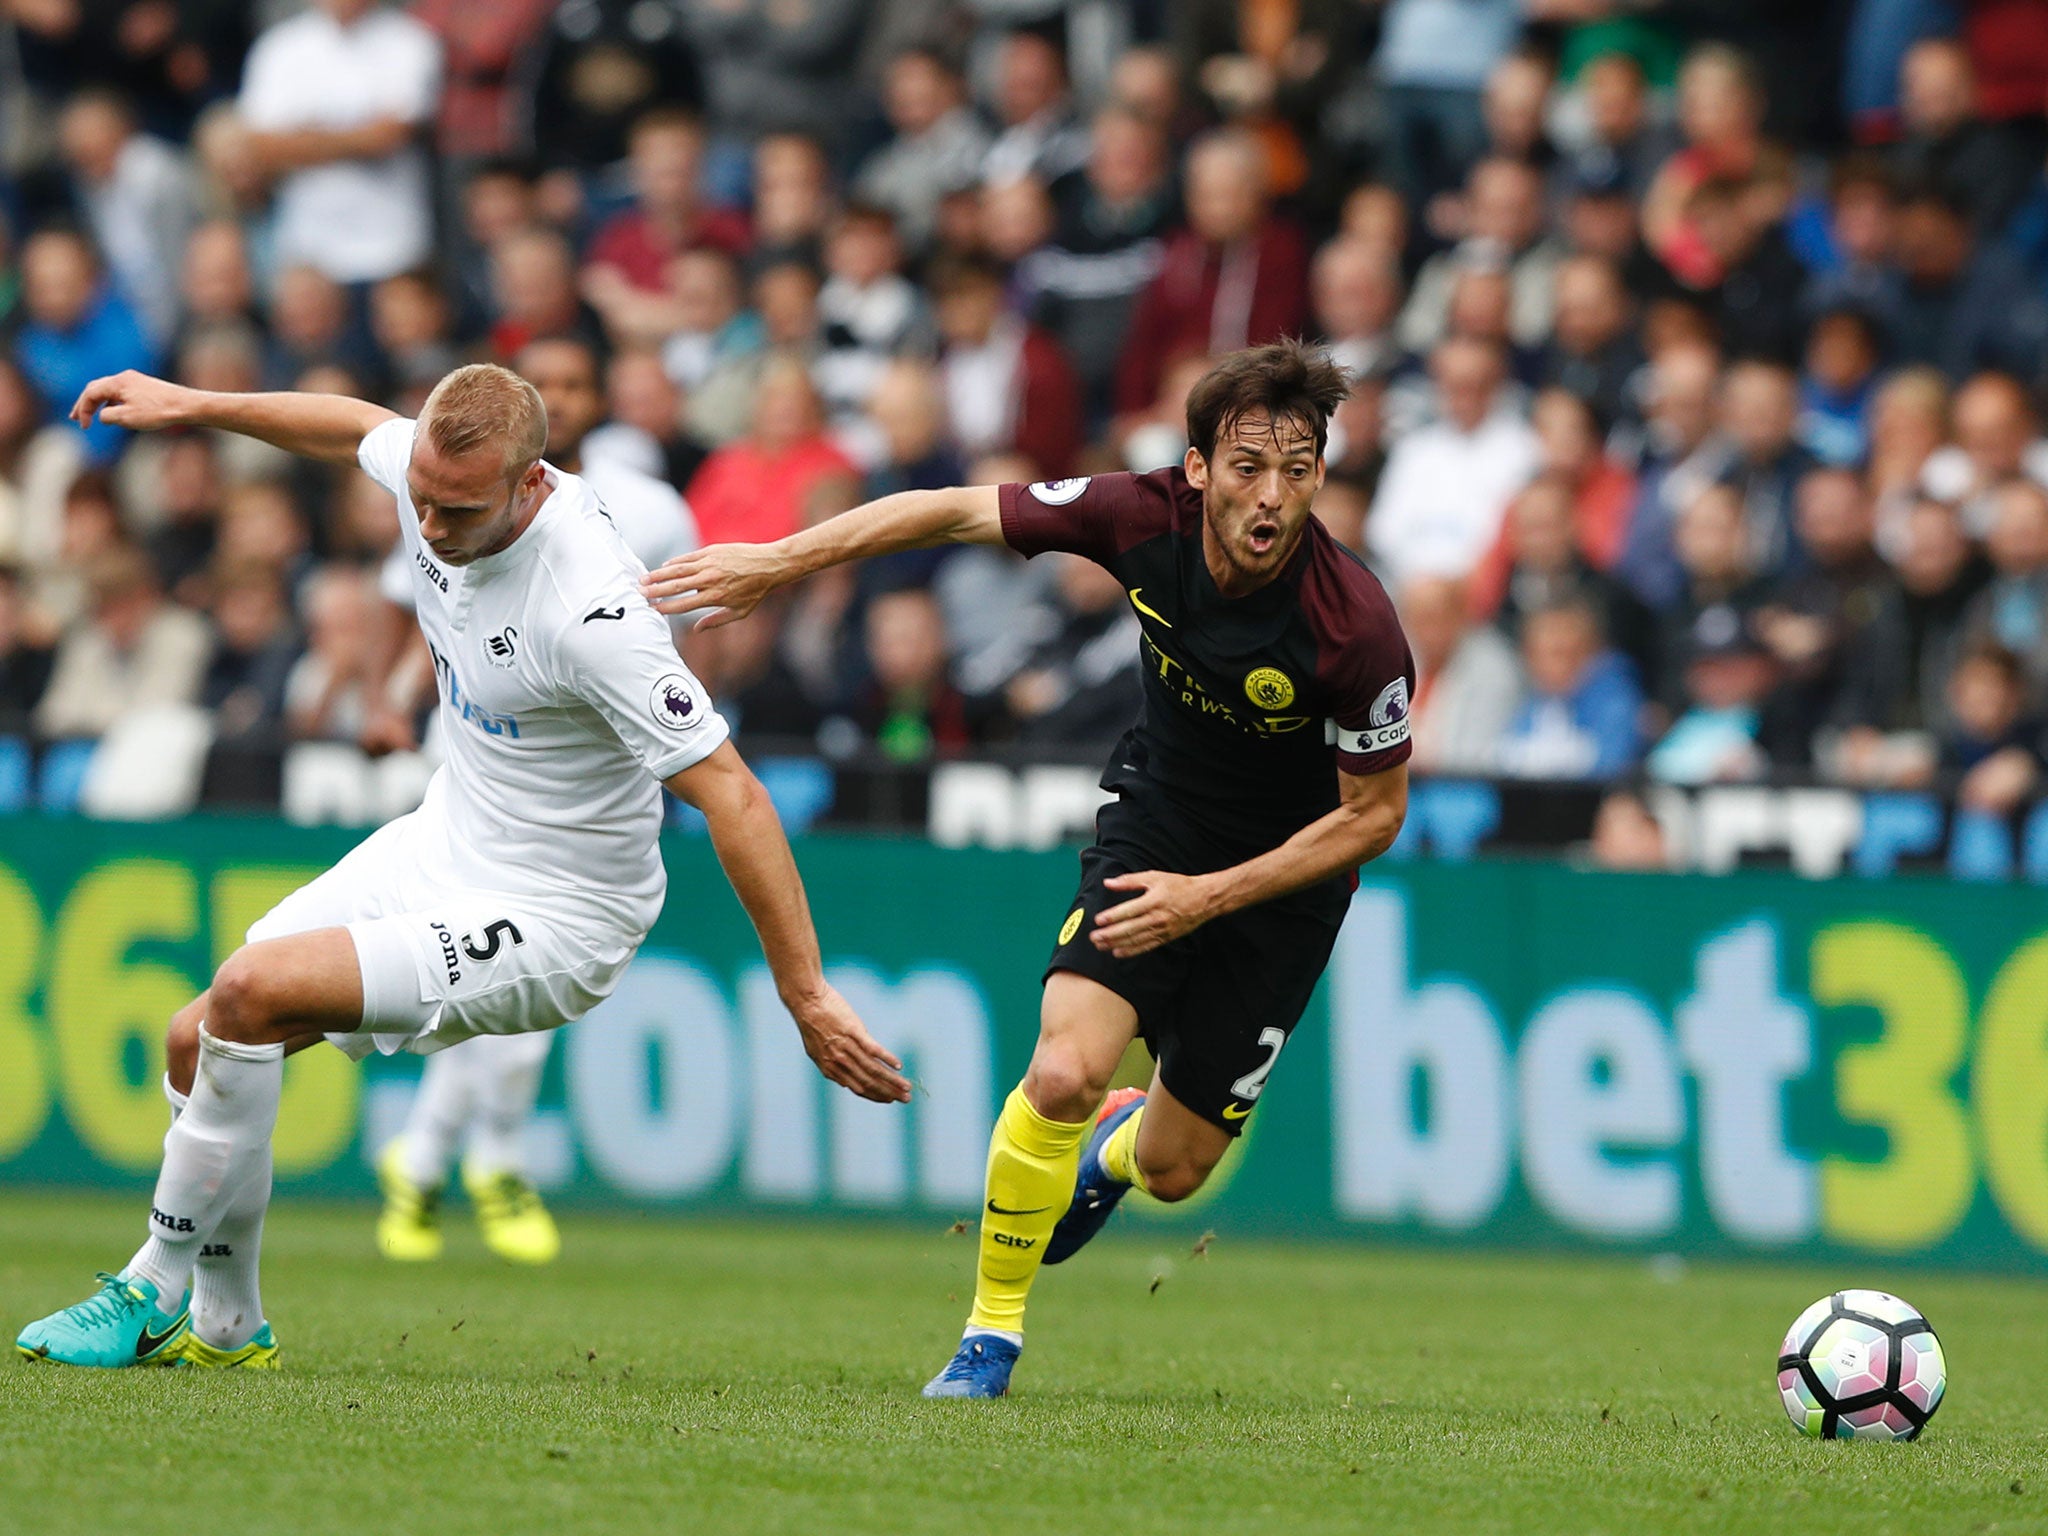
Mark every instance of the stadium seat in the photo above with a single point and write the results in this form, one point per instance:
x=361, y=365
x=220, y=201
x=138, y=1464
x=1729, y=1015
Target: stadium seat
x=62, y=775
x=149, y=765
x=16, y=774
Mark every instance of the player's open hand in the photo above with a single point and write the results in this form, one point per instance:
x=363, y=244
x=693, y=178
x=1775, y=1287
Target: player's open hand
x=728, y=578
x=133, y=400
x=840, y=1045
x=1166, y=907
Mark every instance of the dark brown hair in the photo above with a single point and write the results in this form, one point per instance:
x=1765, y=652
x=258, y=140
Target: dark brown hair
x=1285, y=380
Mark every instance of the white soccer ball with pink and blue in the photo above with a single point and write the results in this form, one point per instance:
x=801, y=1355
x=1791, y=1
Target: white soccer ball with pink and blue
x=1861, y=1365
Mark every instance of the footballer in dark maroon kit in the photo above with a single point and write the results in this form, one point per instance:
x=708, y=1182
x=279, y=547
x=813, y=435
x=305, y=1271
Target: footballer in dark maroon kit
x=1268, y=763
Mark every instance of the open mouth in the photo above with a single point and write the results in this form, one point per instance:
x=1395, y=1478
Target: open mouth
x=1262, y=537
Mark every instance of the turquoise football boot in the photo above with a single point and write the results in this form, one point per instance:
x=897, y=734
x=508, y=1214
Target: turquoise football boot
x=120, y=1325
x=259, y=1354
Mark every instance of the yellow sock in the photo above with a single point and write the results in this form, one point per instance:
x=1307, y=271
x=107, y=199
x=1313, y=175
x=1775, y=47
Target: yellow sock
x=1031, y=1166
x=1120, y=1152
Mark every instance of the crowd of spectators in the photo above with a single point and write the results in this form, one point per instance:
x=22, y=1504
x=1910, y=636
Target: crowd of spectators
x=1700, y=351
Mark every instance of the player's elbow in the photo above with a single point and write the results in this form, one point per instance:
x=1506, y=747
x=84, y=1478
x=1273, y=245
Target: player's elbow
x=1376, y=826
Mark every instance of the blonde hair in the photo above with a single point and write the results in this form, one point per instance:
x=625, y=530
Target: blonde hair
x=481, y=404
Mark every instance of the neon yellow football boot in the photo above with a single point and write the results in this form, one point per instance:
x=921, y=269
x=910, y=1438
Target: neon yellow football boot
x=409, y=1230
x=515, y=1225
x=259, y=1354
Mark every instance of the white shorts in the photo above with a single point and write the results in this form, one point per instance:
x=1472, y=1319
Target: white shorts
x=441, y=963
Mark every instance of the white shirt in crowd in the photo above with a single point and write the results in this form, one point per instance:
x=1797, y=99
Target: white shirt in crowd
x=1443, y=494
x=358, y=221
x=563, y=704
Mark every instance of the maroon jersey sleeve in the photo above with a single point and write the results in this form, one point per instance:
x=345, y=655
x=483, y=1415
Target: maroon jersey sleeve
x=1365, y=660
x=1099, y=516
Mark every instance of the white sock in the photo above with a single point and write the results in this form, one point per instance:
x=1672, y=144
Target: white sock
x=227, y=1306
x=225, y=1124
x=507, y=1069
x=227, y=1302
x=439, y=1115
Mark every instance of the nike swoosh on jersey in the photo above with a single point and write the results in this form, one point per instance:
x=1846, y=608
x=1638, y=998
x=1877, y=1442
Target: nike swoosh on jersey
x=1003, y=1210
x=1149, y=613
x=1236, y=1111
x=605, y=613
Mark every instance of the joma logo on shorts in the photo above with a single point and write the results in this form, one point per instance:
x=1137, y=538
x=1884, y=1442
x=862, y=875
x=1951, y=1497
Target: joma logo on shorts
x=171, y=1223
x=449, y=958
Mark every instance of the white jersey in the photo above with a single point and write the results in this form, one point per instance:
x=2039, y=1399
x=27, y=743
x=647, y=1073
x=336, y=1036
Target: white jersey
x=650, y=514
x=563, y=703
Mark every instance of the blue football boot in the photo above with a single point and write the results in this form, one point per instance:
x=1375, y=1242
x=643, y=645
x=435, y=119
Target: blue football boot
x=1095, y=1192
x=980, y=1368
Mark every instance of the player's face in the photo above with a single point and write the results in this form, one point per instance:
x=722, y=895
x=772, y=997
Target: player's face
x=467, y=507
x=1256, y=490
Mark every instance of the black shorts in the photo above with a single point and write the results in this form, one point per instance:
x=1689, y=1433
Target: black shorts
x=1215, y=1007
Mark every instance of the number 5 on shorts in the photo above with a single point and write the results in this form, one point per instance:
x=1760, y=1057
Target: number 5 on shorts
x=495, y=933
x=1253, y=1083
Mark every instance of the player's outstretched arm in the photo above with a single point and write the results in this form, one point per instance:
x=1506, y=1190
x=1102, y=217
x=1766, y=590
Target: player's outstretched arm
x=751, y=846
x=734, y=578
x=1167, y=905
x=325, y=427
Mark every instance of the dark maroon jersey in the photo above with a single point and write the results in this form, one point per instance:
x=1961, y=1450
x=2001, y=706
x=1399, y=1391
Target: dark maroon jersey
x=1251, y=703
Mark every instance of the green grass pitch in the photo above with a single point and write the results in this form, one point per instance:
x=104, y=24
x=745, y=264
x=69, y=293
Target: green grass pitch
x=722, y=1377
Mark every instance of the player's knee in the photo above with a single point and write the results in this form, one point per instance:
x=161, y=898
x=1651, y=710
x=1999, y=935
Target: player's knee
x=1061, y=1085
x=238, y=1007
x=1172, y=1180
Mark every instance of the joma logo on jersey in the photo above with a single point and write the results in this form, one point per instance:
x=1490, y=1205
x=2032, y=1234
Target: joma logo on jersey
x=1194, y=696
x=451, y=961
x=434, y=573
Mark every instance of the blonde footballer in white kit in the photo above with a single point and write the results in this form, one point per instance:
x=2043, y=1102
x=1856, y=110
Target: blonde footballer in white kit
x=511, y=900
x=477, y=1101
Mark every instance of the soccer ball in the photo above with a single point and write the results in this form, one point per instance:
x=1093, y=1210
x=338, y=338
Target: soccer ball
x=1861, y=1365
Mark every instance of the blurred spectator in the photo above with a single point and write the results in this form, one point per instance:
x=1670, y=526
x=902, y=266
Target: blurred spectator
x=133, y=650
x=743, y=667
x=785, y=294
x=411, y=325
x=1815, y=617
x=1721, y=733
x=650, y=429
x=1503, y=230
x=1718, y=585
x=533, y=292
x=600, y=65
x=1720, y=113
x=135, y=193
x=1909, y=423
x=24, y=663
x=260, y=523
x=651, y=517
x=1837, y=386
x=1355, y=294
x=336, y=99
x=1432, y=63
x=1983, y=166
x=937, y=144
x=910, y=447
x=1235, y=277
x=1997, y=438
x=88, y=527
x=1627, y=836
x=75, y=328
x=1079, y=685
x=1513, y=107
x=2013, y=608
x=773, y=67
x=1593, y=351
x=1862, y=229
x=255, y=645
x=757, y=488
x=1578, y=719
x=180, y=543
x=911, y=711
x=630, y=254
x=1468, y=679
x=215, y=283
x=792, y=196
x=1009, y=386
x=1895, y=687
x=1539, y=563
x=713, y=351
x=1993, y=740
x=481, y=50
x=1038, y=132
x=1964, y=305
x=327, y=695
x=1105, y=245
x=1446, y=484
x=1622, y=138
x=869, y=310
x=1759, y=412
x=1754, y=292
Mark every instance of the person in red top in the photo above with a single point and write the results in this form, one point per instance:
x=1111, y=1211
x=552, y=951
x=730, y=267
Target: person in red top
x=665, y=154
x=759, y=489
x=1721, y=112
x=1603, y=493
x=1235, y=277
